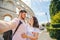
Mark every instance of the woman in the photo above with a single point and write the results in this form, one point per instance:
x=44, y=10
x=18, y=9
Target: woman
x=32, y=30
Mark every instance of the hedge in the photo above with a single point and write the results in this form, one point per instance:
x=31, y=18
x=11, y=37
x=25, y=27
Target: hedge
x=54, y=31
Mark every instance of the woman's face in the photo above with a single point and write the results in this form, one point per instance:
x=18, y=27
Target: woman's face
x=31, y=21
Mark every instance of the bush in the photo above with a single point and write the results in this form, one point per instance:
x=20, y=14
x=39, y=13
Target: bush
x=56, y=18
x=57, y=25
x=55, y=31
x=52, y=33
x=55, y=34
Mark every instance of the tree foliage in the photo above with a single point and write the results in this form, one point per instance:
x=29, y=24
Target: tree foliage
x=54, y=7
x=56, y=18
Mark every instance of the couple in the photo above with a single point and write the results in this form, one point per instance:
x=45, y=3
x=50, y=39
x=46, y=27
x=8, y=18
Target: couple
x=26, y=31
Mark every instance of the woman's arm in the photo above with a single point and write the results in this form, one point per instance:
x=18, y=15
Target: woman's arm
x=35, y=37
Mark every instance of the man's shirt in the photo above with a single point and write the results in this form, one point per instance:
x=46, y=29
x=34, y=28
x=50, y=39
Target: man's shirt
x=20, y=31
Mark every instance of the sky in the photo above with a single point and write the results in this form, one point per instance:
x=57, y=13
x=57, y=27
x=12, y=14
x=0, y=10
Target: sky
x=40, y=8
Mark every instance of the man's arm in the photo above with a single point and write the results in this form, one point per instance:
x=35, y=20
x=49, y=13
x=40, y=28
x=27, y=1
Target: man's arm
x=5, y=26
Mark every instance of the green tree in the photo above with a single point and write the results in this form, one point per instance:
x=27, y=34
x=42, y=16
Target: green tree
x=56, y=18
x=54, y=7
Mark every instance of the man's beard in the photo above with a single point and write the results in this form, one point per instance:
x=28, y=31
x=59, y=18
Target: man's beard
x=23, y=18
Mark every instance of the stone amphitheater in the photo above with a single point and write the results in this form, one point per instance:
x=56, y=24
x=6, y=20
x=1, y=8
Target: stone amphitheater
x=10, y=8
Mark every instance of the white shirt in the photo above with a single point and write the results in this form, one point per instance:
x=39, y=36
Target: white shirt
x=30, y=30
x=21, y=30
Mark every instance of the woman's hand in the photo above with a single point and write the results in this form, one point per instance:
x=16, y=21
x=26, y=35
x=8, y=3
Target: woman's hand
x=35, y=37
x=24, y=35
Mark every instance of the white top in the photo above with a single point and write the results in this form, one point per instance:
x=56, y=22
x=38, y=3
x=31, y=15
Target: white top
x=30, y=30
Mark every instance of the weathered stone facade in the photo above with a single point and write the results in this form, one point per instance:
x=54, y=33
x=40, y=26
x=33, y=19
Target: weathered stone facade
x=8, y=8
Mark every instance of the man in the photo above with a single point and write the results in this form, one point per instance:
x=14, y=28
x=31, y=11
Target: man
x=5, y=26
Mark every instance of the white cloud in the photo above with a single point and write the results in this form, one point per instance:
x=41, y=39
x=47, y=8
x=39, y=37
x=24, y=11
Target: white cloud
x=44, y=0
x=28, y=2
x=43, y=22
x=40, y=14
x=40, y=0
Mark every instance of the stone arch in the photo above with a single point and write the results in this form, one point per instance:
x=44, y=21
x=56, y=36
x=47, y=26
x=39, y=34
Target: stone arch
x=7, y=15
x=10, y=2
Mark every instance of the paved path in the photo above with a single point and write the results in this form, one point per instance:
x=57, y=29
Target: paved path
x=44, y=36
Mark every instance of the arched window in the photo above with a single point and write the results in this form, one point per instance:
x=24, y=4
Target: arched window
x=7, y=18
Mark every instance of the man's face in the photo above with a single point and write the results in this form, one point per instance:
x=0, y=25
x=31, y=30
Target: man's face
x=23, y=15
